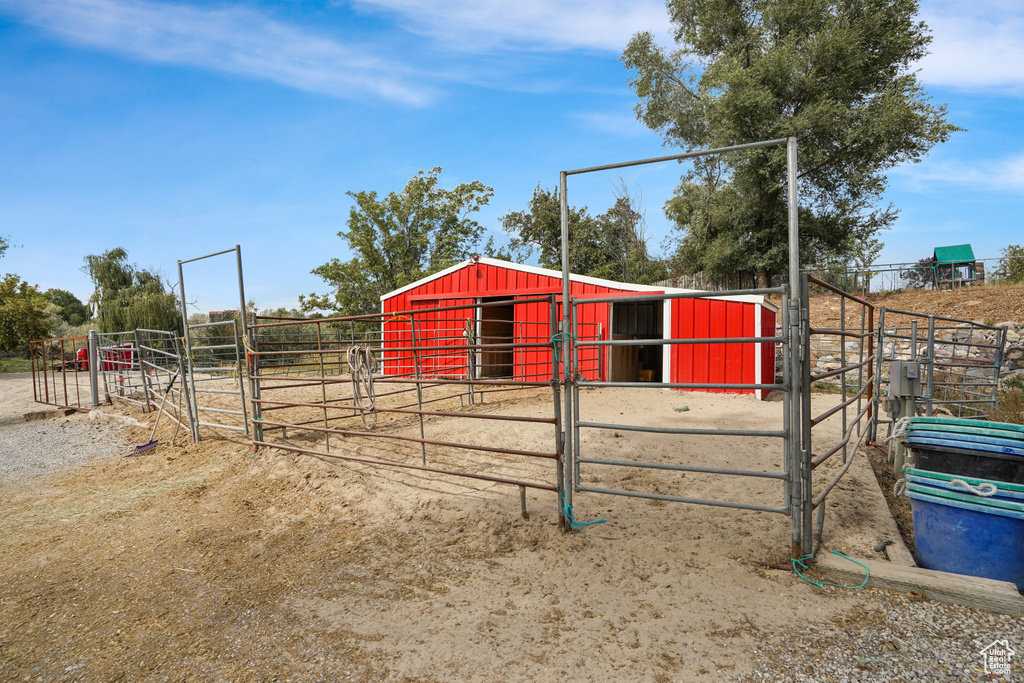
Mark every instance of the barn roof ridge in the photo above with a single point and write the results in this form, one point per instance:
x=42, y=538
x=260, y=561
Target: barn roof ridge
x=573, y=277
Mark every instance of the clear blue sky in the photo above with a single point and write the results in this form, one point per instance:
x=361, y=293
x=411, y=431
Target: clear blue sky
x=180, y=129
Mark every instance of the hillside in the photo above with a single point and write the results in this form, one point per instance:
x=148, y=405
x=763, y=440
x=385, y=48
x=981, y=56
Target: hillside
x=991, y=304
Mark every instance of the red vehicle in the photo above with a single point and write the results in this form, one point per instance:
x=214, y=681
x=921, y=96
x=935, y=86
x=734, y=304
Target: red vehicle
x=79, y=362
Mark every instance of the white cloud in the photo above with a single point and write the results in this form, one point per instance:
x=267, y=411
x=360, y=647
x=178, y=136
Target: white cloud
x=234, y=40
x=1004, y=175
x=540, y=24
x=976, y=45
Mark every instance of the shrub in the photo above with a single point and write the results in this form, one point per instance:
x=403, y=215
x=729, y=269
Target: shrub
x=1010, y=403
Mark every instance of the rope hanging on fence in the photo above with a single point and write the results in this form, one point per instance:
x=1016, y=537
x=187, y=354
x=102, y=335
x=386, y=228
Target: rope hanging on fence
x=899, y=429
x=188, y=350
x=362, y=364
x=249, y=350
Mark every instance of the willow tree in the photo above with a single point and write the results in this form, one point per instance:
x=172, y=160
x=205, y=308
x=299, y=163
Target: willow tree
x=838, y=75
x=128, y=297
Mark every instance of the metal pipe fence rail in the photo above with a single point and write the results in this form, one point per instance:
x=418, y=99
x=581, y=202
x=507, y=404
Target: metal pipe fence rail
x=687, y=456
x=375, y=395
x=961, y=359
x=136, y=367
x=216, y=365
x=60, y=372
x=163, y=369
x=849, y=376
x=120, y=370
x=926, y=274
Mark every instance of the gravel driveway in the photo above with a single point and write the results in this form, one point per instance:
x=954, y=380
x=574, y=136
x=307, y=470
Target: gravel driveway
x=48, y=446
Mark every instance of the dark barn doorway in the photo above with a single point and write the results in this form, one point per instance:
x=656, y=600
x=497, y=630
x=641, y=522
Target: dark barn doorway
x=496, y=326
x=639, y=320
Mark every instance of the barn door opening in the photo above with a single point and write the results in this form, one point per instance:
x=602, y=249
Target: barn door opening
x=636, y=363
x=496, y=326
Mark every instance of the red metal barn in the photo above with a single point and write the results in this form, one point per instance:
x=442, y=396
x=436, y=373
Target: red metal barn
x=418, y=318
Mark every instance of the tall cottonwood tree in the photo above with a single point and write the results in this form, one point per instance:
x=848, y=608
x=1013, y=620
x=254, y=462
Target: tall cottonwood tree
x=399, y=239
x=838, y=75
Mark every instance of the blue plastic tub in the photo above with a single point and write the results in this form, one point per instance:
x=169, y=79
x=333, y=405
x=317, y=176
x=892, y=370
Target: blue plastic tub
x=1016, y=448
x=976, y=539
x=941, y=480
x=968, y=440
x=965, y=462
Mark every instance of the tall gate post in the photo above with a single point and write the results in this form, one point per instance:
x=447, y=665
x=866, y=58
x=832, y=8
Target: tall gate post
x=557, y=403
x=94, y=363
x=798, y=367
x=806, y=490
x=242, y=314
x=565, y=335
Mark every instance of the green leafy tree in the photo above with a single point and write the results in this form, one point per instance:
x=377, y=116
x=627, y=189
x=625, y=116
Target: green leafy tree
x=23, y=316
x=128, y=297
x=399, y=239
x=4, y=245
x=922, y=275
x=612, y=245
x=838, y=75
x=69, y=307
x=1011, y=269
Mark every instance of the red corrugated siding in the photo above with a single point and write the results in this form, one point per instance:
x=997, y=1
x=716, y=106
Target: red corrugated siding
x=767, y=350
x=532, y=320
x=691, y=318
x=717, y=363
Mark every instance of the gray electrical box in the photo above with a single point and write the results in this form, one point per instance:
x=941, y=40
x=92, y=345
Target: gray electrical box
x=905, y=378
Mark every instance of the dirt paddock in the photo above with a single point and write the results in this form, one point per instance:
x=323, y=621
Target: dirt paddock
x=209, y=562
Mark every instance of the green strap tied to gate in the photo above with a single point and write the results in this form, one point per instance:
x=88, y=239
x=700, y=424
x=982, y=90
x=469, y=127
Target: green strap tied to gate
x=801, y=563
x=558, y=340
x=573, y=524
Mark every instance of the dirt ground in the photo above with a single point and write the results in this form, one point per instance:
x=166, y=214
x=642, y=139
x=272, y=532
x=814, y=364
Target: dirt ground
x=16, y=398
x=210, y=562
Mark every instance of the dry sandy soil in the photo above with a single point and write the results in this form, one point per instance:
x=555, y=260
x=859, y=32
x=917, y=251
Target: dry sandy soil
x=16, y=398
x=987, y=305
x=209, y=562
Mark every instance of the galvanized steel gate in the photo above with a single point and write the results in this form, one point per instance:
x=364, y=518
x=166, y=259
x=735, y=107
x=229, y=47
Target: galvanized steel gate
x=215, y=357
x=796, y=462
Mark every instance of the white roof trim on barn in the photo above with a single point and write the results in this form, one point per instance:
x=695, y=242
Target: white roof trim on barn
x=584, y=279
